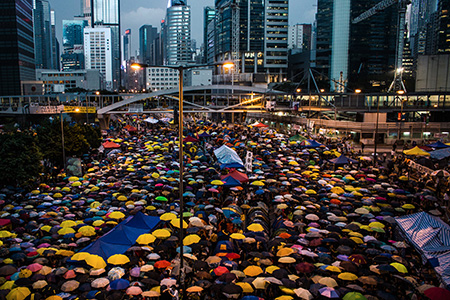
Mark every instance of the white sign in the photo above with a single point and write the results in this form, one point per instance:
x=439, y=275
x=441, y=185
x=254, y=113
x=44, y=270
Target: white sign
x=249, y=161
x=419, y=167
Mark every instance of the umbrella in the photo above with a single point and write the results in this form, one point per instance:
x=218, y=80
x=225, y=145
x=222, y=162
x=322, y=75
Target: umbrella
x=194, y=289
x=328, y=292
x=70, y=286
x=19, y=293
x=347, y=276
x=253, y=271
x=354, y=296
x=145, y=239
x=436, y=293
x=303, y=294
x=328, y=281
x=95, y=261
x=119, y=284
x=118, y=259
x=99, y=283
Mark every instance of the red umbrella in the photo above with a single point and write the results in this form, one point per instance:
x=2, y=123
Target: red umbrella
x=110, y=145
x=190, y=139
x=233, y=256
x=305, y=267
x=162, y=264
x=236, y=175
x=357, y=258
x=260, y=125
x=219, y=271
x=437, y=293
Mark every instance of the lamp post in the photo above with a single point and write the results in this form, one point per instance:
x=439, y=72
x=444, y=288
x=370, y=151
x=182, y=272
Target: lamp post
x=376, y=134
x=180, y=69
x=62, y=138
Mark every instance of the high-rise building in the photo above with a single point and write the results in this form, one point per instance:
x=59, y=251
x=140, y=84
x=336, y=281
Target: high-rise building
x=443, y=27
x=147, y=34
x=44, y=36
x=73, y=40
x=250, y=34
x=210, y=46
x=55, y=46
x=106, y=13
x=275, y=39
x=177, y=34
x=359, y=55
x=86, y=11
x=299, y=37
x=127, y=45
x=209, y=14
x=423, y=27
x=98, y=50
x=17, y=45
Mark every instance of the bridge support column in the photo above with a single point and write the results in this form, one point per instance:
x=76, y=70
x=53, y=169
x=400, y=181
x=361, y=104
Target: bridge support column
x=104, y=121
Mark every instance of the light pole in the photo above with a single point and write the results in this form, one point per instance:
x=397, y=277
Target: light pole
x=62, y=138
x=180, y=69
x=376, y=134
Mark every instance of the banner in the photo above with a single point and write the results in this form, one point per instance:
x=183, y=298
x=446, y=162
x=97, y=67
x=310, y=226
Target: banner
x=80, y=109
x=419, y=167
x=249, y=161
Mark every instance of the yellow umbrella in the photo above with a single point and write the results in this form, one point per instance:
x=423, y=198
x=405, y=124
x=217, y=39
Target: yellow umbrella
x=95, y=261
x=162, y=233
x=80, y=256
x=87, y=231
x=253, y=271
x=191, y=239
x=255, y=227
x=285, y=252
x=287, y=260
x=98, y=223
x=176, y=223
x=5, y=234
x=168, y=217
x=66, y=230
x=73, y=178
x=145, y=239
x=68, y=223
x=333, y=269
x=19, y=293
x=270, y=269
x=7, y=285
x=311, y=192
x=246, y=287
x=284, y=297
x=54, y=297
x=376, y=225
x=328, y=281
x=258, y=183
x=347, y=276
x=408, y=206
x=76, y=183
x=401, y=268
x=194, y=289
x=217, y=182
x=116, y=215
x=237, y=236
x=122, y=198
x=118, y=259
x=46, y=228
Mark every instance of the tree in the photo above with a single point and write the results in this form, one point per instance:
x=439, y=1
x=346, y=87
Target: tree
x=20, y=158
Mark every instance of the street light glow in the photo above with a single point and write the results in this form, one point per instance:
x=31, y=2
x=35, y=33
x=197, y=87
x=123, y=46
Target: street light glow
x=400, y=92
x=136, y=66
x=228, y=65
x=299, y=90
x=357, y=91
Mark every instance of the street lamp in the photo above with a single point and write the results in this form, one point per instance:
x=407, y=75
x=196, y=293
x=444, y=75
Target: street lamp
x=180, y=69
x=358, y=91
x=62, y=138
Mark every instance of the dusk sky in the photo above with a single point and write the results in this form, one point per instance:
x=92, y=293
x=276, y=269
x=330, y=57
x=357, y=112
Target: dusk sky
x=135, y=13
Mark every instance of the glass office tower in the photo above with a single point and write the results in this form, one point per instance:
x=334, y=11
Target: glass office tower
x=177, y=35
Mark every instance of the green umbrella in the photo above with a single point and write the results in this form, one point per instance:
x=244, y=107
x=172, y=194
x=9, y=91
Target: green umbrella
x=354, y=296
x=161, y=198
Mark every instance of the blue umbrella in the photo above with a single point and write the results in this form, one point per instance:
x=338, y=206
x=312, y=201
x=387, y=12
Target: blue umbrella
x=186, y=249
x=119, y=284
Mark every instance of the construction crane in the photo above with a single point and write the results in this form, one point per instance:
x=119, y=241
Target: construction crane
x=397, y=84
x=235, y=30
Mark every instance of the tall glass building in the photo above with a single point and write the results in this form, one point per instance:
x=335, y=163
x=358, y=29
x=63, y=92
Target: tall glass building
x=106, y=13
x=73, y=40
x=17, y=45
x=44, y=36
x=147, y=35
x=177, y=35
x=209, y=14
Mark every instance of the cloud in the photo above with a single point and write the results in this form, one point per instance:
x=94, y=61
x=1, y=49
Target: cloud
x=136, y=18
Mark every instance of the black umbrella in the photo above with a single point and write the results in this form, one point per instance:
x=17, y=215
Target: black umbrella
x=231, y=289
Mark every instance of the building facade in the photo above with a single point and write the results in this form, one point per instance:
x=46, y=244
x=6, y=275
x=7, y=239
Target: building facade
x=63, y=81
x=443, y=36
x=98, y=52
x=44, y=35
x=127, y=45
x=299, y=38
x=147, y=35
x=160, y=78
x=209, y=15
x=73, y=41
x=177, y=33
x=17, y=62
x=198, y=77
x=106, y=13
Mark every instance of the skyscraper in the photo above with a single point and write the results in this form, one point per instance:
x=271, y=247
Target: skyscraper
x=86, y=11
x=106, y=13
x=359, y=54
x=275, y=38
x=209, y=14
x=444, y=27
x=147, y=35
x=127, y=45
x=17, y=46
x=177, y=35
x=423, y=26
x=98, y=51
x=299, y=37
x=55, y=46
x=73, y=40
x=44, y=36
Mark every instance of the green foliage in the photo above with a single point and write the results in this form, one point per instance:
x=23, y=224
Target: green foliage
x=20, y=158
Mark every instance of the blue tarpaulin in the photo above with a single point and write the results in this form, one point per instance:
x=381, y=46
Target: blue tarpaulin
x=228, y=158
x=342, y=160
x=431, y=237
x=438, y=145
x=311, y=144
x=230, y=181
x=440, y=154
x=123, y=236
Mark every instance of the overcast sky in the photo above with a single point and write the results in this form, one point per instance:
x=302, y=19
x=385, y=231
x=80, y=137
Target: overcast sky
x=135, y=13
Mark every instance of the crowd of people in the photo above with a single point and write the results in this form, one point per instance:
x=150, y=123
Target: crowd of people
x=292, y=224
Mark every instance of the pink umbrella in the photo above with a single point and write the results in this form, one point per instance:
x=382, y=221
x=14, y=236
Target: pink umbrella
x=159, y=184
x=34, y=267
x=135, y=272
x=134, y=290
x=213, y=190
x=44, y=245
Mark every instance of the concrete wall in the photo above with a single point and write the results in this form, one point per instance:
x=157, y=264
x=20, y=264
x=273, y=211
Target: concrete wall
x=433, y=73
